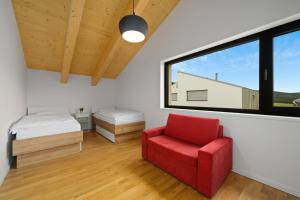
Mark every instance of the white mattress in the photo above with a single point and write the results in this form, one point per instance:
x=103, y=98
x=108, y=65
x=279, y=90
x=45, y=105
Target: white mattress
x=119, y=116
x=44, y=124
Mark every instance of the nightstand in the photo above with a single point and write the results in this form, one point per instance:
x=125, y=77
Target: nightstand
x=84, y=120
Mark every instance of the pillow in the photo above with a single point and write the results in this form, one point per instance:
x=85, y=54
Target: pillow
x=44, y=109
x=48, y=113
x=196, y=130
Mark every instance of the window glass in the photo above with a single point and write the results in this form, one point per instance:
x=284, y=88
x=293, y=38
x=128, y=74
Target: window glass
x=197, y=95
x=286, y=70
x=174, y=96
x=230, y=75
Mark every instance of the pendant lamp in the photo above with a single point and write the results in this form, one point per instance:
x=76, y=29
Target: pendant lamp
x=133, y=28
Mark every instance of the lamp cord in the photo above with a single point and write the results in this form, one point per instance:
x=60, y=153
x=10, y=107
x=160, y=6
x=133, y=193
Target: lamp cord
x=133, y=7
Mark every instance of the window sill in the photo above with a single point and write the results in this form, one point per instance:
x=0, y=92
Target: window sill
x=232, y=114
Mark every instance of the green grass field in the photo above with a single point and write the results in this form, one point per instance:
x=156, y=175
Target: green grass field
x=283, y=105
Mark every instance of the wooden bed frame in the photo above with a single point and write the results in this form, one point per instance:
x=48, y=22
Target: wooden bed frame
x=122, y=132
x=38, y=149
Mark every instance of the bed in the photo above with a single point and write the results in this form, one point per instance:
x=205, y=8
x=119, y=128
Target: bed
x=45, y=135
x=119, y=124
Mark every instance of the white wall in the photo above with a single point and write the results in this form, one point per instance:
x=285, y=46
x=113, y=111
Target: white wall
x=44, y=88
x=265, y=148
x=12, y=80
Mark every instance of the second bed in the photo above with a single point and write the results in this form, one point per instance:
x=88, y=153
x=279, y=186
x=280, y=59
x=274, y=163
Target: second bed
x=119, y=124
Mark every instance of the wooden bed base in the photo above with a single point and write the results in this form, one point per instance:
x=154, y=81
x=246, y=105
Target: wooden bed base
x=122, y=132
x=35, y=150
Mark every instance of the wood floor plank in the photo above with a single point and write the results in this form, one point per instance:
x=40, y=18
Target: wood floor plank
x=104, y=170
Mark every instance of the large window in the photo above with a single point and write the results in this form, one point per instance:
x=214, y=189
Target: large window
x=256, y=74
x=286, y=58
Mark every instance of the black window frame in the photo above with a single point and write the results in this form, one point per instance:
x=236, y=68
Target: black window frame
x=187, y=98
x=265, y=39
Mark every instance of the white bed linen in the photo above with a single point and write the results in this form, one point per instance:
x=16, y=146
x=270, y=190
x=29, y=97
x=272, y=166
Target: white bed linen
x=119, y=116
x=43, y=124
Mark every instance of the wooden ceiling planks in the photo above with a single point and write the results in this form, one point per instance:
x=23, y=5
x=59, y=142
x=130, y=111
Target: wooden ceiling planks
x=113, y=47
x=96, y=30
x=44, y=25
x=161, y=10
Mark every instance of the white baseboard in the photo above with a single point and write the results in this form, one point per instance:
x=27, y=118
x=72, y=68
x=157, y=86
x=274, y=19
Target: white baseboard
x=3, y=172
x=269, y=182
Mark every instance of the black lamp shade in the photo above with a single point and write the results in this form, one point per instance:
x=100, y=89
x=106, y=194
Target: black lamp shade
x=133, y=28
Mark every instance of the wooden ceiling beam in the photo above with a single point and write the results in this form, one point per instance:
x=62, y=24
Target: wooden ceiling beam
x=114, y=44
x=76, y=11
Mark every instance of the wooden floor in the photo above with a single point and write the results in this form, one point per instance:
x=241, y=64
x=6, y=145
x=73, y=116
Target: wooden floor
x=116, y=171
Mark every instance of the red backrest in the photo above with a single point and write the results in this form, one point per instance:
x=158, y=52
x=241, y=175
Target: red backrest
x=220, y=132
x=196, y=130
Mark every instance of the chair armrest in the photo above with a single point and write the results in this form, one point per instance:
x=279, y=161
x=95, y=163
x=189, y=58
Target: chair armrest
x=154, y=132
x=148, y=134
x=214, y=164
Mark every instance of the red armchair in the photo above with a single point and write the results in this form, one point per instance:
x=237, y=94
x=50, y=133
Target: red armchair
x=193, y=149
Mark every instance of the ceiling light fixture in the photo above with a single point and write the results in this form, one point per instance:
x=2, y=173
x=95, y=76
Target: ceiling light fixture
x=133, y=28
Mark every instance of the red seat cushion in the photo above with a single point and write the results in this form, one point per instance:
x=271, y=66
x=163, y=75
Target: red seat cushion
x=196, y=130
x=171, y=147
